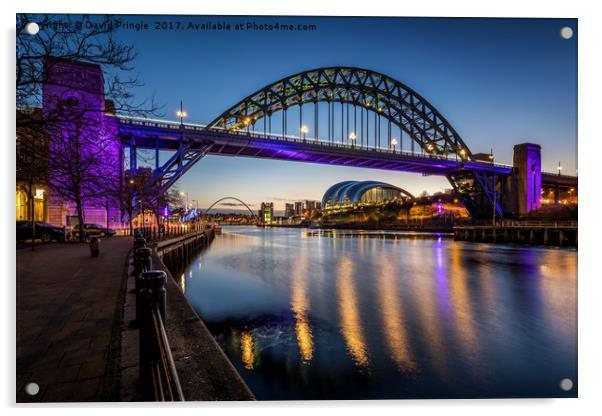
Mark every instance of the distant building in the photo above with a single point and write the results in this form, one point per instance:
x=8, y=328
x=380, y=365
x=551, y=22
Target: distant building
x=299, y=208
x=266, y=213
x=312, y=205
x=350, y=193
x=289, y=210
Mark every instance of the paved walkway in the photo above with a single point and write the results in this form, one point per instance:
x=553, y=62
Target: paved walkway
x=69, y=307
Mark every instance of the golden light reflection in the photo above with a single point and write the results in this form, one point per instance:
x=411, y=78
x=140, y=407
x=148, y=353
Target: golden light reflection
x=247, y=349
x=427, y=297
x=351, y=325
x=558, y=290
x=183, y=282
x=300, y=307
x=462, y=305
x=393, y=318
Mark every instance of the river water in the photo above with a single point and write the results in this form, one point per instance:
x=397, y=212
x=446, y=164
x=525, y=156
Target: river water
x=306, y=314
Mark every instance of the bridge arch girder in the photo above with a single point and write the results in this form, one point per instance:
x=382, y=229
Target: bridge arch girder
x=360, y=87
x=233, y=198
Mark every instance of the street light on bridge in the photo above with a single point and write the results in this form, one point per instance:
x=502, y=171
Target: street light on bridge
x=559, y=168
x=352, y=137
x=393, y=143
x=181, y=113
x=304, y=131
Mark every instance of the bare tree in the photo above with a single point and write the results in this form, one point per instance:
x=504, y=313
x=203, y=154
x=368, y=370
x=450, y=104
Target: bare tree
x=80, y=149
x=137, y=198
x=157, y=203
x=76, y=38
x=82, y=165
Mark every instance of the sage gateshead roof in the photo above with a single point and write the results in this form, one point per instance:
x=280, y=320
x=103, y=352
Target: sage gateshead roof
x=353, y=192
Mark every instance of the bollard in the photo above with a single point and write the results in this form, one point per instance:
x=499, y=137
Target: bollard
x=151, y=297
x=94, y=246
x=143, y=262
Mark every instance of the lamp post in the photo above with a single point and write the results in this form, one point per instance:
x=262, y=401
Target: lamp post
x=182, y=194
x=304, y=131
x=353, y=138
x=559, y=168
x=393, y=143
x=181, y=113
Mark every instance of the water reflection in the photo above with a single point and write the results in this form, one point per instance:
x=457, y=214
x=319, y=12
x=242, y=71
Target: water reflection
x=432, y=301
x=394, y=330
x=300, y=307
x=183, y=282
x=462, y=307
x=247, y=349
x=311, y=316
x=351, y=325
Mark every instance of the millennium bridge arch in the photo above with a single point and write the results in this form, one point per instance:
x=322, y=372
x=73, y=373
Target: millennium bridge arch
x=232, y=198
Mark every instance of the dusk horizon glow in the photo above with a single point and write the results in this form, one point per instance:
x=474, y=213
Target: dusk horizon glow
x=499, y=82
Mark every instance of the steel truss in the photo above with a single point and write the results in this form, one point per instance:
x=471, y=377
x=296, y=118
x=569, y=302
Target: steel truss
x=183, y=159
x=362, y=88
x=480, y=192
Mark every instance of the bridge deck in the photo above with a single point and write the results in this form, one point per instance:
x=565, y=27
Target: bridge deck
x=152, y=134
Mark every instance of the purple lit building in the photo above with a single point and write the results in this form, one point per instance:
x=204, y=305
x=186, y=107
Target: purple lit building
x=82, y=140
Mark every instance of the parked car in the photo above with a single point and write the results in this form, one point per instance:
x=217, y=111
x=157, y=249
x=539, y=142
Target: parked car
x=43, y=231
x=92, y=230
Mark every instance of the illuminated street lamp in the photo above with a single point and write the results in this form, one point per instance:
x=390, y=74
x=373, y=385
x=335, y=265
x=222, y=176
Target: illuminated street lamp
x=393, y=143
x=304, y=131
x=491, y=158
x=462, y=153
x=181, y=113
x=182, y=193
x=352, y=137
x=559, y=168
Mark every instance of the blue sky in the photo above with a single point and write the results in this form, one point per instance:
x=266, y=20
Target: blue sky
x=499, y=82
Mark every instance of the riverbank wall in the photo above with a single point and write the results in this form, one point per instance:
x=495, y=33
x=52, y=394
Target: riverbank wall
x=543, y=234
x=204, y=370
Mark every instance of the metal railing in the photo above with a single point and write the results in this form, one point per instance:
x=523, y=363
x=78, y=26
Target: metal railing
x=164, y=381
x=154, y=234
x=521, y=224
x=176, y=126
x=159, y=379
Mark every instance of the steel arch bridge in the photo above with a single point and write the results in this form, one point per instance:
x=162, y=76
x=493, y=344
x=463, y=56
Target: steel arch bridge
x=233, y=198
x=359, y=119
x=375, y=92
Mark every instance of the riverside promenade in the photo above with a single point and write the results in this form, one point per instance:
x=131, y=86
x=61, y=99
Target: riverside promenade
x=69, y=308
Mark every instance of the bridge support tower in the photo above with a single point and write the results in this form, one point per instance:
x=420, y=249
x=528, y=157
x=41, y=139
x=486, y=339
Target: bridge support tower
x=525, y=187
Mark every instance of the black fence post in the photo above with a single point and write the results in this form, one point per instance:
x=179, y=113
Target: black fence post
x=151, y=296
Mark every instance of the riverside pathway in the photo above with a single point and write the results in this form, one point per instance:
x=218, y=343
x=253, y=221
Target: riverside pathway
x=69, y=308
